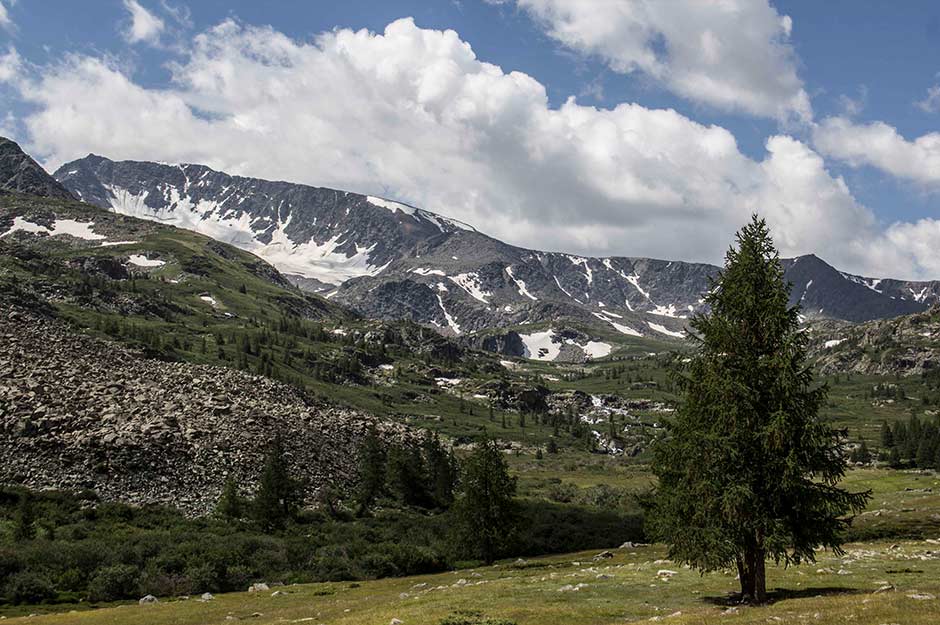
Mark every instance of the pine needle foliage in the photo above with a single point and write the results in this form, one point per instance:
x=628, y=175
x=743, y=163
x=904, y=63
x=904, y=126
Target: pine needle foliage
x=747, y=470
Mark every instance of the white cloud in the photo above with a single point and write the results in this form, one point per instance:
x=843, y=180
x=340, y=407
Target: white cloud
x=10, y=65
x=733, y=55
x=931, y=102
x=853, y=106
x=412, y=114
x=880, y=145
x=144, y=27
x=5, y=21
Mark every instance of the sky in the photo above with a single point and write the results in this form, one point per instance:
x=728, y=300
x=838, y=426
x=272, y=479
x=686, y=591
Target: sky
x=596, y=127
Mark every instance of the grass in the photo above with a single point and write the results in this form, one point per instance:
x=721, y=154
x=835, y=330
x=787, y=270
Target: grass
x=624, y=588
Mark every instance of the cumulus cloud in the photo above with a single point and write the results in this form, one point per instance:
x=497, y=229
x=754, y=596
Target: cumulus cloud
x=880, y=145
x=144, y=26
x=413, y=115
x=733, y=55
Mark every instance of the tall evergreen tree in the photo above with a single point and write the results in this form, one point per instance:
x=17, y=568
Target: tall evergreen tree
x=277, y=496
x=407, y=477
x=485, y=510
x=231, y=505
x=442, y=471
x=371, y=472
x=24, y=519
x=748, y=471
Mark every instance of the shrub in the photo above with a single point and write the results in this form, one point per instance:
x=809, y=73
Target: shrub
x=114, y=582
x=27, y=587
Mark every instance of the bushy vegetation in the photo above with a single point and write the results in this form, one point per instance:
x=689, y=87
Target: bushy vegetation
x=84, y=549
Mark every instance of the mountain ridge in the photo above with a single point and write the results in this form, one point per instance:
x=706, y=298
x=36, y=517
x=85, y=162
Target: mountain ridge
x=390, y=260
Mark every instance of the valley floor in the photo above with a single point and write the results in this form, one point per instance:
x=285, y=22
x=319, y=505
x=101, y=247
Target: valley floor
x=872, y=583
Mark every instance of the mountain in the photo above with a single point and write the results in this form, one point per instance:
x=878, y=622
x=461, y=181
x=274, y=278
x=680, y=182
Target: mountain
x=908, y=345
x=19, y=173
x=389, y=260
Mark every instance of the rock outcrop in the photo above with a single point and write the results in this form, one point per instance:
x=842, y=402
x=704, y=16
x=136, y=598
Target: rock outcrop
x=21, y=174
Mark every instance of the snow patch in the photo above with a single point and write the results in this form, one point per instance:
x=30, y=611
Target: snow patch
x=470, y=282
x=597, y=349
x=623, y=329
x=450, y=320
x=142, y=261
x=666, y=311
x=833, y=343
x=520, y=285
x=663, y=330
x=424, y=271
x=541, y=345
x=77, y=229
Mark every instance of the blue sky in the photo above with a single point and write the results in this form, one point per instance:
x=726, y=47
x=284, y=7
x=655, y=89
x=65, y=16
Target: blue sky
x=859, y=75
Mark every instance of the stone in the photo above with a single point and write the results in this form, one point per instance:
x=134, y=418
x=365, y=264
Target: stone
x=148, y=599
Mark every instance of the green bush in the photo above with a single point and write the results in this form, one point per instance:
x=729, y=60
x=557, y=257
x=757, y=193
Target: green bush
x=114, y=582
x=27, y=587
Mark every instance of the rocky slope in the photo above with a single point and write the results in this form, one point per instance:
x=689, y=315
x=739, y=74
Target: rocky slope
x=77, y=413
x=907, y=345
x=392, y=261
x=21, y=174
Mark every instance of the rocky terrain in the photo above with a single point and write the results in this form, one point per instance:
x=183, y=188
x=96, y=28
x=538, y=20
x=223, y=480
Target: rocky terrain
x=21, y=174
x=81, y=413
x=906, y=346
x=389, y=260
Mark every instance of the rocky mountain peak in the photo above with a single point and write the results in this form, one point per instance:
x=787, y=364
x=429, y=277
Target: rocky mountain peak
x=19, y=173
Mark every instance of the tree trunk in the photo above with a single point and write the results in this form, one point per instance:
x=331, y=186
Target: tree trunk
x=753, y=575
x=760, y=577
x=742, y=576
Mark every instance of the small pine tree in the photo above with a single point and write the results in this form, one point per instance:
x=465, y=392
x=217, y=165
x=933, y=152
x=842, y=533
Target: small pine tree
x=485, y=511
x=231, y=505
x=24, y=520
x=887, y=436
x=276, y=499
x=894, y=458
x=371, y=472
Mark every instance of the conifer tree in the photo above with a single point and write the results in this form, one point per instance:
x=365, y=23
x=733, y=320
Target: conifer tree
x=371, y=472
x=24, y=520
x=442, y=471
x=748, y=470
x=277, y=496
x=485, y=511
x=231, y=505
x=407, y=475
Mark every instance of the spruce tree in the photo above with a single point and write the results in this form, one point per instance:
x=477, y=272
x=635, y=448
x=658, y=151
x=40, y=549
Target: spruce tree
x=747, y=470
x=231, y=505
x=485, y=511
x=24, y=519
x=442, y=471
x=407, y=475
x=371, y=472
x=277, y=496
